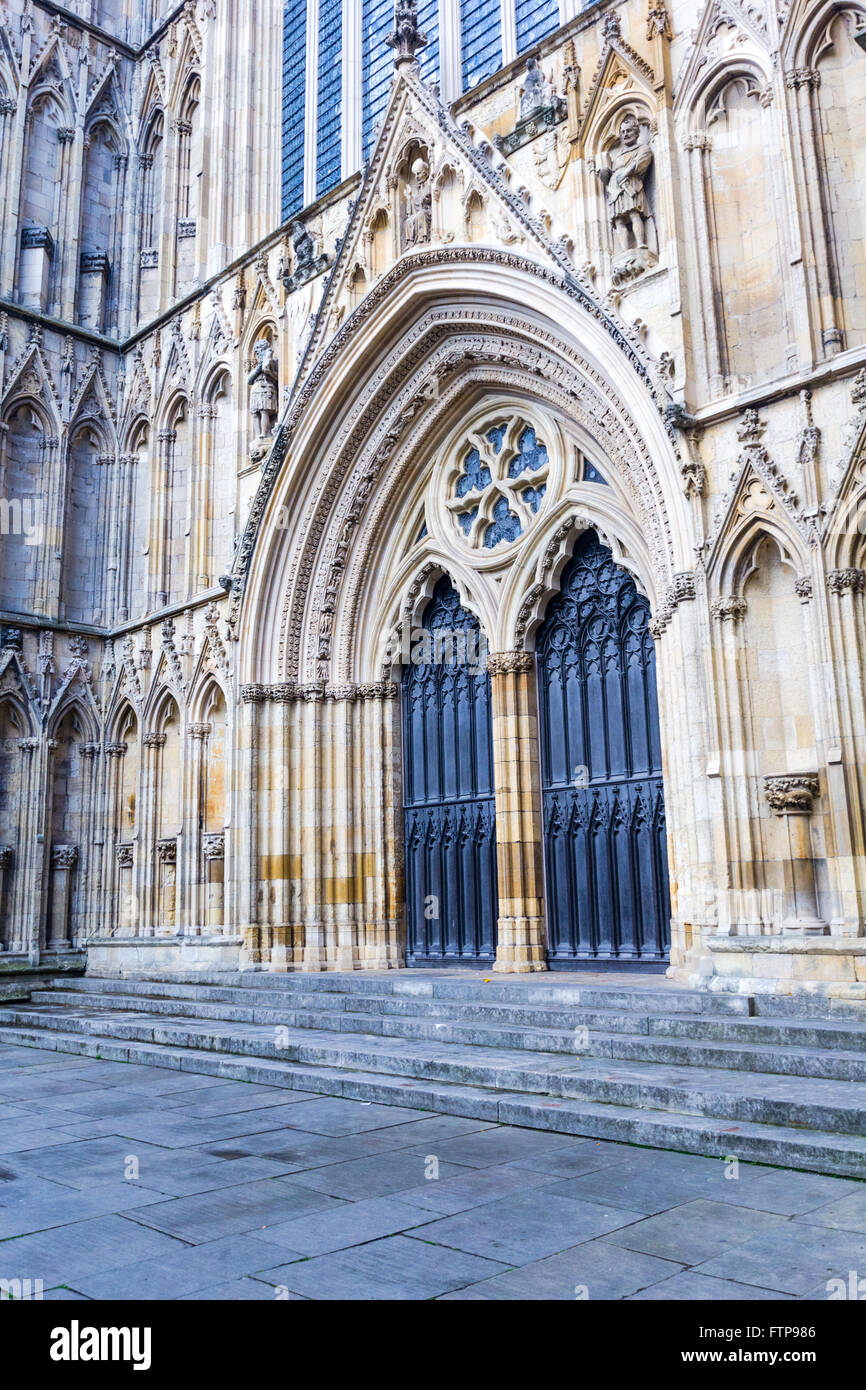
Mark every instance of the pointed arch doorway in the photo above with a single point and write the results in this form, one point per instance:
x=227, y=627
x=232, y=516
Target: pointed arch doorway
x=449, y=811
x=607, y=889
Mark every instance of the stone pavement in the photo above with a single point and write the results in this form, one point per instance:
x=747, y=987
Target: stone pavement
x=119, y=1181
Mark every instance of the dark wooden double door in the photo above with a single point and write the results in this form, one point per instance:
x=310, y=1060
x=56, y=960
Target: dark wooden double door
x=606, y=878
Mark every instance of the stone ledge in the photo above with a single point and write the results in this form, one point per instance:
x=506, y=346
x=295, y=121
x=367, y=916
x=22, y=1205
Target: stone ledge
x=786, y=945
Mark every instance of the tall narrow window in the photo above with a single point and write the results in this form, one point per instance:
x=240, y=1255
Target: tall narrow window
x=294, y=92
x=534, y=19
x=152, y=189
x=329, y=107
x=481, y=27
x=428, y=20
x=378, y=63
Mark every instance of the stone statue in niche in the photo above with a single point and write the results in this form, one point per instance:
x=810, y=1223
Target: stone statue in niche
x=419, y=205
x=535, y=93
x=264, y=382
x=629, y=212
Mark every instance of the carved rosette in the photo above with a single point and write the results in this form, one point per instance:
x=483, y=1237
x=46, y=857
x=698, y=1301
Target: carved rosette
x=792, y=794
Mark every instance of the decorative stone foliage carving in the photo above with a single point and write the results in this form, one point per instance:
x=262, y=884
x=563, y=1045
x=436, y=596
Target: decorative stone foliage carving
x=792, y=794
x=64, y=856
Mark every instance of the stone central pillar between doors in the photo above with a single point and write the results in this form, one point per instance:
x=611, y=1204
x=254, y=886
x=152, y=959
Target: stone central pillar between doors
x=520, y=930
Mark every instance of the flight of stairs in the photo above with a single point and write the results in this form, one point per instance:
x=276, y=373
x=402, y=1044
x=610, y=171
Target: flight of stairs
x=638, y=1060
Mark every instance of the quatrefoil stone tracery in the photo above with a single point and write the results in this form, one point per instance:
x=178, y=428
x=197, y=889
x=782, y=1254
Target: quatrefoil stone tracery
x=503, y=478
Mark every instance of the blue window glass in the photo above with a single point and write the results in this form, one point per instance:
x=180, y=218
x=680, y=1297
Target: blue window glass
x=329, y=106
x=481, y=30
x=294, y=68
x=428, y=58
x=377, y=22
x=534, y=19
x=591, y=473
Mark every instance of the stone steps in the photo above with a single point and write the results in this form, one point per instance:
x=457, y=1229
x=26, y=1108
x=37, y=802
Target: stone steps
x=762, y=1098
x=755, y=1046
x=642, y=1061
x=781, y=1145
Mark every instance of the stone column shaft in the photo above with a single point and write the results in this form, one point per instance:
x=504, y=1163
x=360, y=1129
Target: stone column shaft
x=521, y=936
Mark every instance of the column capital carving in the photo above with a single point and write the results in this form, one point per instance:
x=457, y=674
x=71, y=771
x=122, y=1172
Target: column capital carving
x=349, y=691
x=729, y=608
x=792, y=794
x=125, y=856
x=199, y=732
x=115, y=750
x=64, y=856
x=153, y=741
x=509, y=663
x=840, y=581
x=167, y=851
x=214, y=846
x=379, y=690
x=6, y=856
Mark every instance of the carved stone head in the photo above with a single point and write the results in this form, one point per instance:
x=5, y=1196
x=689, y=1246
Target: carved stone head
x=629, y=131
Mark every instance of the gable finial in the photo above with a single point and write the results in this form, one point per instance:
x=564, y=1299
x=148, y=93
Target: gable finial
x=407, y=39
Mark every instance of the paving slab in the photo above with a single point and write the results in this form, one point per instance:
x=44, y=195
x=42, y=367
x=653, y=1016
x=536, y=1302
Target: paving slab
x=241, y=1291
x=396, y=1268
x=591, y=1271
x=523, y=1228
x=334, y=1116
x=353, y=1224
x=794, y=1258
x=846, y=1213
x=184, y=1271
x=251, y=1207
x=695, y=1231
x=377, y=1176
x=505, y=1144
x=67, y=1253
x=691, y=1285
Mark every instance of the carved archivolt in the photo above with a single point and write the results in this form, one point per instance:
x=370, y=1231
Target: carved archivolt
x=525, y=360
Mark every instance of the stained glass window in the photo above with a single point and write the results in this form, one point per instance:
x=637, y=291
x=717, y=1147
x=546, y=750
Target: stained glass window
x=294, y=91
x=330, y=103
x=377, y=21
x=481, y=29
x=534, y=19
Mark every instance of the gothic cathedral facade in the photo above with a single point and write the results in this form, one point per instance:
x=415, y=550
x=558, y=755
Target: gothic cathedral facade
x=433, y=487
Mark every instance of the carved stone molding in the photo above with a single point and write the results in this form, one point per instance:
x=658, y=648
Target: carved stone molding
x=730, y=608
x=341, y=692
x=792, y=794
x=64, y=856
x=509, y=663
x=379, y=690
x=840, y=581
